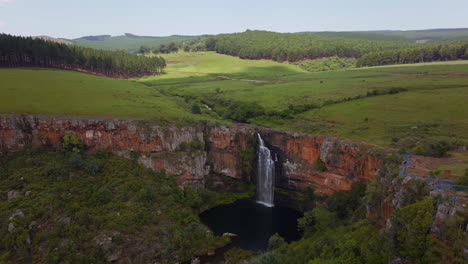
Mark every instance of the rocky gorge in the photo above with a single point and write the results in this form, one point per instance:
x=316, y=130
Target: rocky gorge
x=193, y=152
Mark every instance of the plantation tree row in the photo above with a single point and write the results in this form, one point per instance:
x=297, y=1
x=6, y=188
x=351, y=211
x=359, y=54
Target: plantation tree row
x=25, y=51
x=427, y=53
x=295, y=47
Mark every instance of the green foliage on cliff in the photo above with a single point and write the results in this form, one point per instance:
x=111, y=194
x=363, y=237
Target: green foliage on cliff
x=71, y=142
x=411, y=225
x=320, y=165
x=75, y=208
x=331, y=238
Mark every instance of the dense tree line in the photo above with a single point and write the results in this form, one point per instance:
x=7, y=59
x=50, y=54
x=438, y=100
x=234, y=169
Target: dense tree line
x=294, y=47
x=427, y=53
x=25, y=51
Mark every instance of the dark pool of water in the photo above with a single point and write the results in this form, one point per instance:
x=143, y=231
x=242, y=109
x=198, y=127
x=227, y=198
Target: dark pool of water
x=252, y=222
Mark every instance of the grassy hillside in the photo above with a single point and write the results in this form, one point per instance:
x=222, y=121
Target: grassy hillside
x=57, y=92
x=127, y=42
x=381, y=105
x=358, y=103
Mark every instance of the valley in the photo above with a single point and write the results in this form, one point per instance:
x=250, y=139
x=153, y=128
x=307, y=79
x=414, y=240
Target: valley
x=254, y=147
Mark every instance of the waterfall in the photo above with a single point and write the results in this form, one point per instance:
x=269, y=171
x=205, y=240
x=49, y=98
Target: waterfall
x=266, y=175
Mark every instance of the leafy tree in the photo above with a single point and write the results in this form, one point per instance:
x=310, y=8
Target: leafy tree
x=411, y=225
x=144, y=49
x=275, y=241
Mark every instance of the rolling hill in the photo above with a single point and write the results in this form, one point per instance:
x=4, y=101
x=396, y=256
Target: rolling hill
x=421, y=36
x=128, y=41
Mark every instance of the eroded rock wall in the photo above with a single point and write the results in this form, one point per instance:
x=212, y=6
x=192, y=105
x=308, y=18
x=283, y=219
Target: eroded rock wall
x=159, y=147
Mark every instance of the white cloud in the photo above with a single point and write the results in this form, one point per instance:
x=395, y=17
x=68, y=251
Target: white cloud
x=6, y=1
x=2, y=24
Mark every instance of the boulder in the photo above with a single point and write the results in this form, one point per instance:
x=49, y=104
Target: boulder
x=13, y=194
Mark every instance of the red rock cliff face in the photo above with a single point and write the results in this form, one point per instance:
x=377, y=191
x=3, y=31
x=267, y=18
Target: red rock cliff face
x=158, y=147
x=345, y=162
x=155, y=146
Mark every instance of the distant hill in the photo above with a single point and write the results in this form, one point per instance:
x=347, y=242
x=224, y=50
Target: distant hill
x=428, y=35
x=128, y=41
x=57, y=40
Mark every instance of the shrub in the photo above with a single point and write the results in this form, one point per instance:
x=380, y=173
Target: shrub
x=146, y=194
x=75, y=161
x=416, y=190
x=346, y=202
x=236, y=255
x=419, y=150
x=320, y=165
x=101, y=154
x=196, y=109
x=103, y=195
x=71, y=142
x=275, y=242
x=93, y=166
x=191, y=146
x=243, y=111
x=439, y=149
x=306, y=223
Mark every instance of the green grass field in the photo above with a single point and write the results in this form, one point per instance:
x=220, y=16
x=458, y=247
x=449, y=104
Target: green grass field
x=433, y=105
x=57, y=92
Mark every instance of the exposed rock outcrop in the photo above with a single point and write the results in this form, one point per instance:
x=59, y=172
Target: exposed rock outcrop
x=159, y=147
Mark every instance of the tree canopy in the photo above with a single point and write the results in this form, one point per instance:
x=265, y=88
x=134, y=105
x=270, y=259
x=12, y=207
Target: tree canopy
x=294, y=47
x=427, y=53
x=25, y=51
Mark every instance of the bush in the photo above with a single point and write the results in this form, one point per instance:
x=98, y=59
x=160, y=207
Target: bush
x=243, y=111
x=275, y=242
x=71, y=142
x=103, y=195
x=236, y=255
x=439, y=149
x=146, y=194
x=191, y=146
x=306, y=223
x=419, y=150
x=346, y=202
x=93, y=166
x=320, y=165
x=196, y=109
x=75, y=161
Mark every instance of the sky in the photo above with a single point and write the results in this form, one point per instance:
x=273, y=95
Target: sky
x=76, y=18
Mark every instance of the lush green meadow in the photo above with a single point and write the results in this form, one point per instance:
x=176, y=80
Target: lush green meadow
x=57, y=92
x=431, y=102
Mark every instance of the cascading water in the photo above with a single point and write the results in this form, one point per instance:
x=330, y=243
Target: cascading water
x=266, y=175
